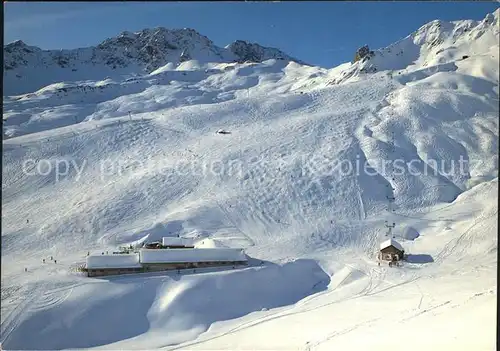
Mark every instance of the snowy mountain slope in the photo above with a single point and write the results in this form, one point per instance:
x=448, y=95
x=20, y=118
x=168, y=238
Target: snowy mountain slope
x=190, y=83
x=424, y=298
x=277, y=186
x=29, y=68
x=436, y=46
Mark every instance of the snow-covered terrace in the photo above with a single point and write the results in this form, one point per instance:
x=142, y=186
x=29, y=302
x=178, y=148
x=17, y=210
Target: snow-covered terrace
x=113, y=261
x=165, y=256
x=192, y=255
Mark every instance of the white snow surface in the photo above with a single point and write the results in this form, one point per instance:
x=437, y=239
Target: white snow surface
x=168, y=240
x=391, y=242
x=191, y=255
x=113, y=261
x=28, y=68
x=97, y=161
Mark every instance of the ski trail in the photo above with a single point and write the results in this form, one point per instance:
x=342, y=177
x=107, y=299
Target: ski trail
x=16, y=315
x=450, y=247
x=362, y=212
x=310, y=346
x=289, y=310
x=226, y=214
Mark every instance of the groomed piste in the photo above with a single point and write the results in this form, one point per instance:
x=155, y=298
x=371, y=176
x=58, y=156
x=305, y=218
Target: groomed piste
x=101, y=158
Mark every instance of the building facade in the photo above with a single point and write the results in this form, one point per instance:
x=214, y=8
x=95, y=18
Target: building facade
x=155, y=260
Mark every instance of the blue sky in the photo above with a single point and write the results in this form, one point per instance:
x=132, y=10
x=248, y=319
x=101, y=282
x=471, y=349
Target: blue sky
x=320, y=33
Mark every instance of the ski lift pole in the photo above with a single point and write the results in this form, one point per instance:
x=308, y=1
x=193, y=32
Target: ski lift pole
x=389, y=228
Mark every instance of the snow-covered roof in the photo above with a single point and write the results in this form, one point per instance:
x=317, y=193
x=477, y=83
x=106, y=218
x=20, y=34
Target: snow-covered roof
x=191, y=255
x=113, y=261
x=391, y=242
x=173, y=240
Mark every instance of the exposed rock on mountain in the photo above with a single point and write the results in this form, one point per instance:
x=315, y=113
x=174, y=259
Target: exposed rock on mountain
x=28, y=68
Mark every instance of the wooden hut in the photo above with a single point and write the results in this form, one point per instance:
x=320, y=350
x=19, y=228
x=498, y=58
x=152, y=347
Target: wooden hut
x=391, y=251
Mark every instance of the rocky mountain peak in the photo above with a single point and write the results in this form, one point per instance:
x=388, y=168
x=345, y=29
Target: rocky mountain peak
x=28, y=68
x=133, y=52
x=254, y=52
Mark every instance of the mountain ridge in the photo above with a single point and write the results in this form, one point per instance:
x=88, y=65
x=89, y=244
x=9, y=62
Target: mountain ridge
x=436, y=43
x=126, y=54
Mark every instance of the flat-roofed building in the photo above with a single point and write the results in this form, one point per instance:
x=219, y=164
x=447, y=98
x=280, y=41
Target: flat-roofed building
x=153, y=260
x=98, y=265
